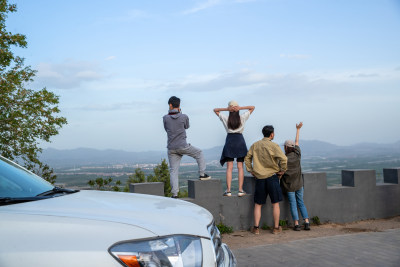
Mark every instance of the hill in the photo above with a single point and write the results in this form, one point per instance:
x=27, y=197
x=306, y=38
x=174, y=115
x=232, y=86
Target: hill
x=310, y=148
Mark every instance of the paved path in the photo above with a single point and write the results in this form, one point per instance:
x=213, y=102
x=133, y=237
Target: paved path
x=364, y=249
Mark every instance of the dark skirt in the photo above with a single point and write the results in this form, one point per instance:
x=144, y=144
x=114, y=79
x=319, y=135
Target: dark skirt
x=235, y=147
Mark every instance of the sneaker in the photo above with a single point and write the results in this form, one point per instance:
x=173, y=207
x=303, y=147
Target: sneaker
x=307, y=226
x=277, y=230
x=241, y=193
x=204, y=177
x=255, y=230
x=174, y=196
x=297, y=227
x=227, y=194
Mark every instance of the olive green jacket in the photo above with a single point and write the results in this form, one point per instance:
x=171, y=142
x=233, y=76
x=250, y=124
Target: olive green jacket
x=265, y=158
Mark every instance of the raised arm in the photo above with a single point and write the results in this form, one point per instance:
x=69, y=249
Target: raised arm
x=218, y=110
x=250, y=108
x=237, y=108
x=298, y=126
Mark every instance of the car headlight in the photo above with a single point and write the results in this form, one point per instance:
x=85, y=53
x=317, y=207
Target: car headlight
x=172, y=251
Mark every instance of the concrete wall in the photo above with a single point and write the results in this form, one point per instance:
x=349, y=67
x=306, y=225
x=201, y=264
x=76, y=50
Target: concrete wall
x=359, y=198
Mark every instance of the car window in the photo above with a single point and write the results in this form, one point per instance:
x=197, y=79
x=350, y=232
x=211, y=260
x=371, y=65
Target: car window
x=15, y=181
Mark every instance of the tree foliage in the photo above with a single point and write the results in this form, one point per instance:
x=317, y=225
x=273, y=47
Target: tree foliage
x=105, y=184
x=27, y=116
x=161, y=174
x=137, y=177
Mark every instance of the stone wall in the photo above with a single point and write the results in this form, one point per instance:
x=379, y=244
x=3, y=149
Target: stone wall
x=359, y=198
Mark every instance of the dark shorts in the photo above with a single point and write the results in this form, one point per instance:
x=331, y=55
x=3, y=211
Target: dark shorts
x=232, y=159
x=265, y=187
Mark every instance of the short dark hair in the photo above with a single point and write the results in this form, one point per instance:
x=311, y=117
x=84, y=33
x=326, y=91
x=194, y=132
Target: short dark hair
x=268, y=130
x=174, y=101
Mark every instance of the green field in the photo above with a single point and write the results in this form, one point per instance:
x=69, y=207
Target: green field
x=331, y=166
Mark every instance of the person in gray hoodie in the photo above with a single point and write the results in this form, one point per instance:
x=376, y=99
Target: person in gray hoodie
x=175, y=124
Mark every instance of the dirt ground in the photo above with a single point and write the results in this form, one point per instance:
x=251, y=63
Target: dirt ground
x=244, y=239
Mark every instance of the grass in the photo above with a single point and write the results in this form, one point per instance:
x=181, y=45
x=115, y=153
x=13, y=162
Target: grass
x=224, y=229
x=265, y=227
x=315, y=220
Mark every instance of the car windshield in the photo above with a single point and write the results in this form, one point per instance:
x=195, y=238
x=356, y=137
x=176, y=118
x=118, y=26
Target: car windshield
x=16, y=182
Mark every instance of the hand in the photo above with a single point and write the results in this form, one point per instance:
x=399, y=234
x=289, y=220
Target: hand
x=252, y=173
x=298, y=126
x=280, y=174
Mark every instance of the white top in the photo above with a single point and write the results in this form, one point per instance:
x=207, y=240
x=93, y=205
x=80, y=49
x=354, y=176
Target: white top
x=243, y=118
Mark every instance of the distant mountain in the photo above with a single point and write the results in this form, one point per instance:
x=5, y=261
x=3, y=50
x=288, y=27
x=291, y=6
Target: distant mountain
x=318, y=148
x=313, y=148
x=89, y=156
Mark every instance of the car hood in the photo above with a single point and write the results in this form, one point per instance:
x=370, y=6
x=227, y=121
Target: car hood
x=158, y=215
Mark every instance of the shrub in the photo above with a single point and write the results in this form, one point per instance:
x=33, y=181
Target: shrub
x=283, y=223
x=183, y=193
x=265, y=227
x=224, y=229
x=105, y=184
x=316, y=220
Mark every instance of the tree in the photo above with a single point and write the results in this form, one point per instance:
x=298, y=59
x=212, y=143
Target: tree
x=105, y=184
x=137, y=177
x=27, y=116
x=161, y=174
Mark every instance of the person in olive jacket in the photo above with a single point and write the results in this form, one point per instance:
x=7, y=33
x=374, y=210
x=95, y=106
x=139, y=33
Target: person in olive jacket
x=292, y=182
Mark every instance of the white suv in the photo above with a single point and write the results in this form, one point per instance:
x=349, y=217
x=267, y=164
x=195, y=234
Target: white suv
x=42, y=225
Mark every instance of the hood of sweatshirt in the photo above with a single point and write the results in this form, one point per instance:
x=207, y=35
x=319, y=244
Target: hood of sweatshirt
x=174, y=113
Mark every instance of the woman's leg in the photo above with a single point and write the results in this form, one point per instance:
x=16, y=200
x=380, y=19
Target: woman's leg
x=240, y=175
x=300, y=204
x=293, y=207
x=229, y=168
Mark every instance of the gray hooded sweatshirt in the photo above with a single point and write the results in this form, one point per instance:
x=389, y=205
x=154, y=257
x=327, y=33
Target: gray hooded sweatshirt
x=175, y=124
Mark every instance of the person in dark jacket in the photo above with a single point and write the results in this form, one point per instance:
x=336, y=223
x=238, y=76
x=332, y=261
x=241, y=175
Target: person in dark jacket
x=292, y=182
x=175, y=124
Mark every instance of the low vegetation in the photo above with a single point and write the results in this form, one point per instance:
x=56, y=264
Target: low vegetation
x=160, y=174
x=105, y=184
x=315, y=220
x=265, y=227
x=224, y=229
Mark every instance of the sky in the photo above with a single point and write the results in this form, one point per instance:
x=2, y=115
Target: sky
x=332, y=64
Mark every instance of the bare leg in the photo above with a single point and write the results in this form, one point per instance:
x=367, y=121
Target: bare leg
x=257, y=214
x=240, y=175
x=229, y=168
x=276, y=212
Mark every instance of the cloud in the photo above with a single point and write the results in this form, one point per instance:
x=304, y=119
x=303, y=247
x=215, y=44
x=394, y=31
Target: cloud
x=132, y=105
x=69, y=74
x=202, y=6
x=211, y=3
x=252, y=80
x=364, y=75
x=133, y=14
x=244, y=1
x=110, y=58
x=127, y=16
x=220, y=81
x=295, y=56
x=248, y=63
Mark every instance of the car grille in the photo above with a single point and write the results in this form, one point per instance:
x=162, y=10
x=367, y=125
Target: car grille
x=216, y=240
